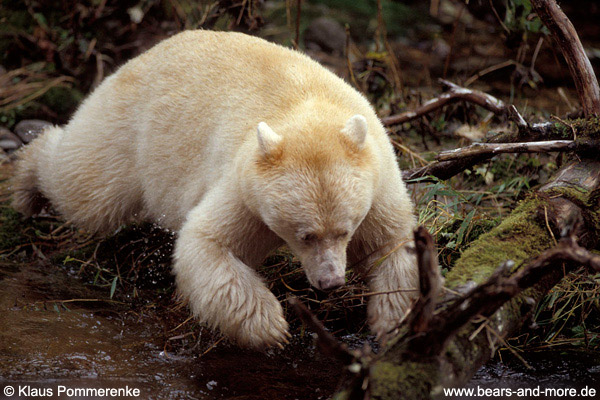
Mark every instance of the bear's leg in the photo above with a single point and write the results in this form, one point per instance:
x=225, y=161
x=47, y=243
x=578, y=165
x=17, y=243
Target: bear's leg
x=382, y=250
x=211, y=252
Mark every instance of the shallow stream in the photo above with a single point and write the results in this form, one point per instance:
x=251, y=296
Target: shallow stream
x=47, y=345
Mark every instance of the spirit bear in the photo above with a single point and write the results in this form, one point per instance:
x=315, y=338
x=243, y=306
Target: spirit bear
x=240, y=146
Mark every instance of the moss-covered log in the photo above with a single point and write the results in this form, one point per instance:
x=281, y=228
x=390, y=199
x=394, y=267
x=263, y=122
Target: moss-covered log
x=571, y=199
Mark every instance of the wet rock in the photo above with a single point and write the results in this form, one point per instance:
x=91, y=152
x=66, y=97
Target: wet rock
x=29, y=129
x=8, y=140
x=325, y=34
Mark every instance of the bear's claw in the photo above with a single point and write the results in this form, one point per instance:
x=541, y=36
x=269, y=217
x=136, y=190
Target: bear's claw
x=264, y=326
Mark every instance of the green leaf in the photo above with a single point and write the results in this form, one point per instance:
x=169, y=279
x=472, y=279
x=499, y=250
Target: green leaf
x=68, y=259
x=113, y=287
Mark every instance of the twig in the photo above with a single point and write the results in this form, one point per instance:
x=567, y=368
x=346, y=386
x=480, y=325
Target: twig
x=78, y=301
x=179, y=337
x=538, y=46
x=446, y=168
x=410, y=153
x=367, y=294
x=563, y=32
x=487, y=70
x=212, y=346
x=477, y=149
x=498, y=17
x=565, y=123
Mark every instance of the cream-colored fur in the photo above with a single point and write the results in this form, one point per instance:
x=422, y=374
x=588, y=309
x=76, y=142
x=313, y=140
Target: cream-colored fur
x=239, y=145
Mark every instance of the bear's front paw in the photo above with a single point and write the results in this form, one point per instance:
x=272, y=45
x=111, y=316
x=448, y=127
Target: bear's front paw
x=264, y=325
x=385, y=313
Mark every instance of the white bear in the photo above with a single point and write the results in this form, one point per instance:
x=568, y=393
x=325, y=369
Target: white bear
x=239, y=145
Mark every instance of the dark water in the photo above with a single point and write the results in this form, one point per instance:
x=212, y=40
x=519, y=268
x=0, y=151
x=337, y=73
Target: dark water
x=101, y=345
x=553, y=374
x=98, y=344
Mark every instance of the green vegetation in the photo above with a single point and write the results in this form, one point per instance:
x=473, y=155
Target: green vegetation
x=520, y=17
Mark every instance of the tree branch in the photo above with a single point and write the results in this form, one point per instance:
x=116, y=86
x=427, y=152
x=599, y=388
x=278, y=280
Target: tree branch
x=488, y=297
x=563, y=32
x=480, y=149
x=447, y=169
x=458, y=93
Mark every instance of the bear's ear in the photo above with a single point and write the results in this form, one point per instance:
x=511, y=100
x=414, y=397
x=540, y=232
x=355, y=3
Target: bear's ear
x=356, y=130
x=268, y=140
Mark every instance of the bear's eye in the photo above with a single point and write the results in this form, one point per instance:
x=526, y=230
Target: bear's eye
x=310, y=237
x=342, y=235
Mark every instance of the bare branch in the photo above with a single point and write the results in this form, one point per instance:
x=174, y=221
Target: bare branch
x=477, y=149
x=563, y=32
x=459, y=93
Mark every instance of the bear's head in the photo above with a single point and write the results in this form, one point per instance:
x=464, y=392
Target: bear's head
x=313, y=187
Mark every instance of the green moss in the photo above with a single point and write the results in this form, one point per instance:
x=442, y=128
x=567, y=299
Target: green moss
x=576, y=194
x=481, y=227
x=518, y=237
x=410, y=380
x=586, y=128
